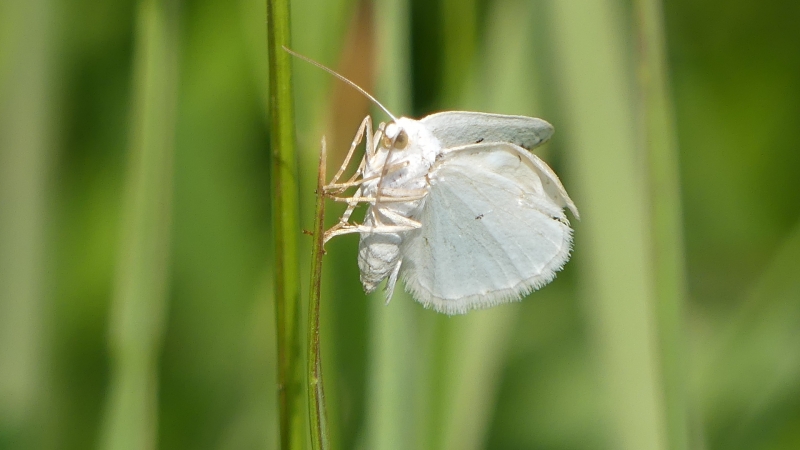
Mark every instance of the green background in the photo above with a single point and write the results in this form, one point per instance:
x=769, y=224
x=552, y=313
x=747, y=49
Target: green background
x=533, y=375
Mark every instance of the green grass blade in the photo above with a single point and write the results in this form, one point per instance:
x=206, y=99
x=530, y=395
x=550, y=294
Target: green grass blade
x=665, y=216
x=139, y=305
x=393, y=54
x=26, y=137
x=285, y=227
x=460, y=31
x=749, y=369
x=612, y=241
x=475, y=357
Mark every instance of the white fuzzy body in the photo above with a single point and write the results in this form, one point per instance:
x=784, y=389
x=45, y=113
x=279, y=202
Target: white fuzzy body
x=379, y=252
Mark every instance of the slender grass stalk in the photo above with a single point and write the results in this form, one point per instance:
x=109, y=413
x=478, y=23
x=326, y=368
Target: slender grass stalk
x=26, y=71
x=665, y=215
x=613, y=240
x=460, y=30
x=392, y=377
x=140, y=301
x=285, y=227
x=318, y=419
x=751, y=363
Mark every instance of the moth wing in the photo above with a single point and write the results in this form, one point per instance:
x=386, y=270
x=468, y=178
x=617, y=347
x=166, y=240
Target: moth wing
x=459, y=128
x=491, y=232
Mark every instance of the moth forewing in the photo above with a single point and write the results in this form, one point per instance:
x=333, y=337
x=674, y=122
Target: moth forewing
x=457, y=128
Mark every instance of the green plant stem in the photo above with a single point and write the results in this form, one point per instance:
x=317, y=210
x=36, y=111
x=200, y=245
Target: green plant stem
x=665, y=216
x=139, y=306
x=285, y=213
x=26, y=139
x=318, y=419
x=460, y=31
x=613, y=240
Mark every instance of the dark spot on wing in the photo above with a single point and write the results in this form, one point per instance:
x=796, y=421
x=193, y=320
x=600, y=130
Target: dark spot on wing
x=479, y=141
x=479, y=217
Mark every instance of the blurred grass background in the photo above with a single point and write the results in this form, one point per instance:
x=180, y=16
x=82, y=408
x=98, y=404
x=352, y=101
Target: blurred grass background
x=578, y=365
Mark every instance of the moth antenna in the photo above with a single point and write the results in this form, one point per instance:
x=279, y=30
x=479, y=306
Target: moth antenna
x=332, y=72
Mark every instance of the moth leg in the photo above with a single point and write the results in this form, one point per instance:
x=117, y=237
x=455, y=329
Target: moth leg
x=379, y=229
x=400, y=223
x=389, y=195
x=370, y=152
x=385, y=199
x=339, y=187
x=366, y=126
x=392, y=281
x=401, y=220
x=359, y=173
x=372, y=145
x=395, y=195
x=405, y=194
x=351, y=206
x=353, y=201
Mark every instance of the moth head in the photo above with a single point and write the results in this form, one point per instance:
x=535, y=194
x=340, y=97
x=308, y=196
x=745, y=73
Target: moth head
x=394, y=136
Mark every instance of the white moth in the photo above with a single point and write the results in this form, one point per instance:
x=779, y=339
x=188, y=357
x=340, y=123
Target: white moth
x=459, y=208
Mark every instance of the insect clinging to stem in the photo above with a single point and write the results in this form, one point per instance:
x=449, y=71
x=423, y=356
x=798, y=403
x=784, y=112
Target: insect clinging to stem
x=458, y=207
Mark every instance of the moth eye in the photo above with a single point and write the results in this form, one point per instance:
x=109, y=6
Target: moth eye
x=401, y=141
x=390, y=135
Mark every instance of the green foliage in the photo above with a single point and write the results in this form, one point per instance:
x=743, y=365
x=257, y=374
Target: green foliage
x=640, y=336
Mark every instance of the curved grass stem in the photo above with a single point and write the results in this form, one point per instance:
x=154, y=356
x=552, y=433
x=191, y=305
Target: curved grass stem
x=665, y=216
x=316, y=393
